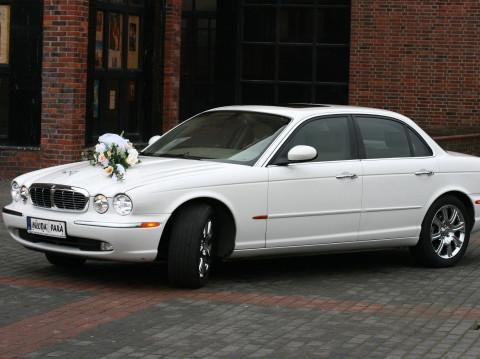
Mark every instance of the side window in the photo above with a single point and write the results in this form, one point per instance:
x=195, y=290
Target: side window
x=420, y=148
x=329, y=136
x=383, y=138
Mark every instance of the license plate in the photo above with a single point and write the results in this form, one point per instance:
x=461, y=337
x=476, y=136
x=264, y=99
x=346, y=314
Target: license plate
x=45, y=227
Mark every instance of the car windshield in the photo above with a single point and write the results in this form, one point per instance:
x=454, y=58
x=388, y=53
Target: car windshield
x=225, y=136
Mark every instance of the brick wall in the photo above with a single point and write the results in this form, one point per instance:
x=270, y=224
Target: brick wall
x=420, y=58
x=464, y=144
x=64, y=79
x=171, y=74
x=16, y=160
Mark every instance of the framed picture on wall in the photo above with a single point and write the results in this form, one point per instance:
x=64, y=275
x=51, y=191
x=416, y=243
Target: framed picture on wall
x=115, y=41
x=133, y=42
x=99, y=39
x=4, y=34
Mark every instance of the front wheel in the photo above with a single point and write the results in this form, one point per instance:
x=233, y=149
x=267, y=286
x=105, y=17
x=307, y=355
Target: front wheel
x=62, y=260
x=190, y=251
x=445, y=233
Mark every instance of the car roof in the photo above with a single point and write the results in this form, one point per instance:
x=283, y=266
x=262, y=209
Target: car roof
x=300, y=111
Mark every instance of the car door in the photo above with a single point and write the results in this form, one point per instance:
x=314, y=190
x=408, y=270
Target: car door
x=398, y=178
x=317, y=202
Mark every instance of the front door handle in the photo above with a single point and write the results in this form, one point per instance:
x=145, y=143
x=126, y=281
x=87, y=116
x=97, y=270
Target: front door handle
x=347, y=175
x=424, y=172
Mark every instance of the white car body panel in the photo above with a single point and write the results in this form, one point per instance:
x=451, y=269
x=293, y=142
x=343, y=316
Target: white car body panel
x=394, y=197
x=307, y=204
x=309, y=210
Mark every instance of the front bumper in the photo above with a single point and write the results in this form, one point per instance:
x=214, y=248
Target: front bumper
x=130, y=241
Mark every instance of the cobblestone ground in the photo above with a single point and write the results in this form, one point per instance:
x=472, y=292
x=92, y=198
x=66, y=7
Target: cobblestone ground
x=370, y=305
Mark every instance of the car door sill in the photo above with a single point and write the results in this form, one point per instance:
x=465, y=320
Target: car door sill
x=351, y=246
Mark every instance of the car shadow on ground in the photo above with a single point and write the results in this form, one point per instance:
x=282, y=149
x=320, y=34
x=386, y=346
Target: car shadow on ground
x=251, y=271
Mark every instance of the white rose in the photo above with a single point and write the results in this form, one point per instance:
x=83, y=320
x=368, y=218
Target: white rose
x=102, y=159
x=112, y=139
x=120, y=169
x=100, y=148
x=132, y=157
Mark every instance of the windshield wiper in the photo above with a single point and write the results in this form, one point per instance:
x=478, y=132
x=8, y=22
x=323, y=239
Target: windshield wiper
x=185, y=155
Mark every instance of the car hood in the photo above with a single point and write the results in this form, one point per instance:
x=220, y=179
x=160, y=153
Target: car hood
x=149, y=170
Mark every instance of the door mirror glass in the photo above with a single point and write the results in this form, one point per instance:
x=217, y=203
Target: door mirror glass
x=302, y=154
x=154, y=139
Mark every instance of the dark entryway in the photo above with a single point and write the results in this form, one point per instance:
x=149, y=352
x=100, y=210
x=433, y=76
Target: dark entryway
x=264, y=52
x=209, y=30
x=119, y=68
x=20, y=71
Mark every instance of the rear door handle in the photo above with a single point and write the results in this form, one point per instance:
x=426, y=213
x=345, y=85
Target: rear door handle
x=347, y=175
x=424, y=172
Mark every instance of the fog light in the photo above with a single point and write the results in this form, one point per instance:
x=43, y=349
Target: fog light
x=105, y=246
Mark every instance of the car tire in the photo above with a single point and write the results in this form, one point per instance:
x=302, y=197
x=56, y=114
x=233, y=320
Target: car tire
x=190, y=252
x=66, y=261
x=445, y=233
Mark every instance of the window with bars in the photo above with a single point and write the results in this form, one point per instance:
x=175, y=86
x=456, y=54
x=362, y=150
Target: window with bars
x=198, y=56
x=294, y=51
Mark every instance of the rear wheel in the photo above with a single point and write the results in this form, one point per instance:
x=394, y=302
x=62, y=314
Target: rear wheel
x=190, y=253
x=62, y=260
x=445, y=233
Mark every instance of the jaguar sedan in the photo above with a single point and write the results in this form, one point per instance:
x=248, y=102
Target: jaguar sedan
x=244, y=181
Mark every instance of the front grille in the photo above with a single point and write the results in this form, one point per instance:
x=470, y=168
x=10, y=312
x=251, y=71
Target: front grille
x=69, y=199
x=84, y=244
x=41, y=196
x=59, y=197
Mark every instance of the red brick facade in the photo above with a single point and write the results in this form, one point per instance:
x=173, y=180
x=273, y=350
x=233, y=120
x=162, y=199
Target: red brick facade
x=171, y=75
x=64, y=86
x=420, y=58
x=417, y=57
x=64, y=83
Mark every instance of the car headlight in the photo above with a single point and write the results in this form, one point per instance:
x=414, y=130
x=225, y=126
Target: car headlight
x=24, y=193
x=122, y=204
x=15, y=191
x=100, y=203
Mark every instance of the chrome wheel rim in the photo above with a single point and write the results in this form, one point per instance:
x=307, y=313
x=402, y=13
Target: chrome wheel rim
x=205, y=249
x=447, y=231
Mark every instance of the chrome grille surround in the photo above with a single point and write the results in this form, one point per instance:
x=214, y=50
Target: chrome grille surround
x=59, y=197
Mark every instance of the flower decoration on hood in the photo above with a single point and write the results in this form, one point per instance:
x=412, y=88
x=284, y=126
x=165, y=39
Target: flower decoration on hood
x=114, y=154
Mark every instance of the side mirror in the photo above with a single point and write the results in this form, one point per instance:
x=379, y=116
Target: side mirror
x=153, y=139
x=302, y=154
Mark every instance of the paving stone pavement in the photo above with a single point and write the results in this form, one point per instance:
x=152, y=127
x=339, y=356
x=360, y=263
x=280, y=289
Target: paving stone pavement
x=370, y=305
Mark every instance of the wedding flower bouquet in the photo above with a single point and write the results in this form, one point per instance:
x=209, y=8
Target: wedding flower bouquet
x=115, y=155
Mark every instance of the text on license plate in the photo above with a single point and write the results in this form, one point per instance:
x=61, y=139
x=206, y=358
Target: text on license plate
x=46, y=227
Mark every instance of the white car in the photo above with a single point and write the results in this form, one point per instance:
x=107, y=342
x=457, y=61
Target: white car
x=245, y=181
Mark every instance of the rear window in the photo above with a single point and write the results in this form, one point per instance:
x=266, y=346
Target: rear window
x=383, y=138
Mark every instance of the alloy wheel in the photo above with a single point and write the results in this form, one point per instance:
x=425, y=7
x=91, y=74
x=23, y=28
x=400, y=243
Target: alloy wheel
x=447, y=231
x=205, y=249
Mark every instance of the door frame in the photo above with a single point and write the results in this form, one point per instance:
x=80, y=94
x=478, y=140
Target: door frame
x=123, y=76
x=15, y=136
